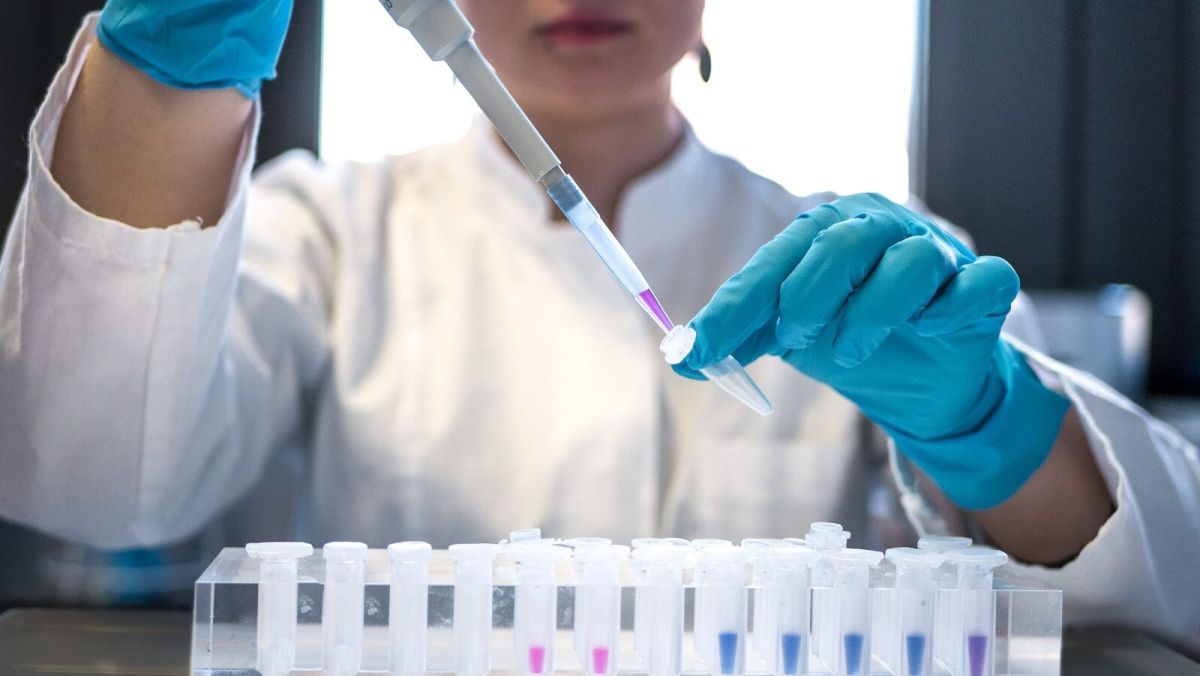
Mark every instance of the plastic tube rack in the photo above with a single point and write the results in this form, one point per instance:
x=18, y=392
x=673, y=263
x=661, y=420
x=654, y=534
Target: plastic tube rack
x=274, y=608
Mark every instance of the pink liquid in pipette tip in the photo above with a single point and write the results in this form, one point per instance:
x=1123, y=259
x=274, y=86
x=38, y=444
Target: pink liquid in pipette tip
x=651, y=303
x=537, y=659
x=600, y=660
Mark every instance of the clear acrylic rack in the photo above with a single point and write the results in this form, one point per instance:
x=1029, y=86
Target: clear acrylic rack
x=1027, y=640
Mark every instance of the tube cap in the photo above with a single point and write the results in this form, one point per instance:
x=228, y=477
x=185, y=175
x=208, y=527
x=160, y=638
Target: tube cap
x=943, y=543
x=977, y=559
x=344, y=552
x=910, y=557
x=278, y=551
x=410, y=552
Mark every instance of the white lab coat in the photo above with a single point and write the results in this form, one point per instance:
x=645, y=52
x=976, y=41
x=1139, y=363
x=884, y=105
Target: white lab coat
x=452, y=365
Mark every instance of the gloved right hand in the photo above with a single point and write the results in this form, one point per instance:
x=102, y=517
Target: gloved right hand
x=198, y=44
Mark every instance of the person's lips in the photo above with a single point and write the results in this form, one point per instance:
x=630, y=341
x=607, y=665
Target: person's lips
x=580, y=28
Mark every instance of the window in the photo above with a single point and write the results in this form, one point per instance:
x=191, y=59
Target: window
x=813, y=94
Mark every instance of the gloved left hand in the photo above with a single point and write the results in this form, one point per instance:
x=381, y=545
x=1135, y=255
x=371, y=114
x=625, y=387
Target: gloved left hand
x=903, y=320
x=198, y=44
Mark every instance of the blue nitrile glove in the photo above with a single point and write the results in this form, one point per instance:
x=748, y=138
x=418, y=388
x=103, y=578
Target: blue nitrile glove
x=903, y=320
x=198, y=44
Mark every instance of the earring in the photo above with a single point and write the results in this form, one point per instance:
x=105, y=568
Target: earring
x=705, y=61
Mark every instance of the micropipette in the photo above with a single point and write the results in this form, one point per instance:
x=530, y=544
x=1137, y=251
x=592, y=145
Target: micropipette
x=342, y=607
x=408, y=605
x=276, y=639
x=445, y=34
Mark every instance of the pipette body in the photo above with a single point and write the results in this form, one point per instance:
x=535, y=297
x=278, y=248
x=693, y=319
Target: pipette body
x=446, y=35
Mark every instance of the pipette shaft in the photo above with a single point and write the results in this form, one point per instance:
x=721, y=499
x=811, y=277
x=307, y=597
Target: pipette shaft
x=446, y=35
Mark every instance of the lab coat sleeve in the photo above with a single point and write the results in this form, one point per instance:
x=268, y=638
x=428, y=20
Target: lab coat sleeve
x=1140, y=568
x=143, y=384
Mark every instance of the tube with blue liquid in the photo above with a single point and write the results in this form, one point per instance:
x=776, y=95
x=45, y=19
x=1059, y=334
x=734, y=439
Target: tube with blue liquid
x=721, y=609
x=789, y=581
x=915, y=604
x=852, y=601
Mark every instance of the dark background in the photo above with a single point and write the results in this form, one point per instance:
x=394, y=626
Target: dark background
x=1063, y=134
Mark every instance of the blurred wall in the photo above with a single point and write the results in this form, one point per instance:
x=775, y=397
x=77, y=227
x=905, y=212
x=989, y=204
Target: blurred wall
x=1064, y=134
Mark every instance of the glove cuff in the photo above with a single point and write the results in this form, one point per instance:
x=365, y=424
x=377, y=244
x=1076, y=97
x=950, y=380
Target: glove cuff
x=984, y=467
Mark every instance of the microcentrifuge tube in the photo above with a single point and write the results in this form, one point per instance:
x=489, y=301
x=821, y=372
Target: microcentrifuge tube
x=789, y=580
x=598, y=606
x=641, y=592
x=852, y=597
x=978, y=603
x=472, y=608
x=826, y=538
x=342, y=607
x=659, y=637
x=947, y=630
x=703, y=636
x=276, y=634
x=408, y=606
x=721, y=608
x=915, y=600
x=535, y=612
x=727, y=373
x=762, y=635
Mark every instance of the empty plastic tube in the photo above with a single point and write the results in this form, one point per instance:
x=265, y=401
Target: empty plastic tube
x=659, y=636
x=408, y=606
x=641, y=592
x=826, y=538
x=276, y=639
x=536, y=605
x=852, y=596
x=598, y=606
x=473, y=607
x=342, y=608
x=915, y=598
x=721, y=608
x=978, y=603
x=789, y=579
x=763, y=629
x=946, y=633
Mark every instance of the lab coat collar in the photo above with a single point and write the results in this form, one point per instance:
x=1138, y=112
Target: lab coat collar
x=676, y=186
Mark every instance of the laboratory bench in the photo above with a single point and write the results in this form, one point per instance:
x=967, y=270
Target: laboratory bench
x=156, y=642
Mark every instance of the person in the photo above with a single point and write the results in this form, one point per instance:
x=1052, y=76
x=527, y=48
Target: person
x=451, y=361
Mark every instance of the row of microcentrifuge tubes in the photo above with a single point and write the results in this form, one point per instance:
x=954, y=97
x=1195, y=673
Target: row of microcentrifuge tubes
x=811, y=614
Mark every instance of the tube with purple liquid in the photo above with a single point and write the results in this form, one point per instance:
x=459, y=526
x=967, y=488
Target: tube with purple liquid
x=975, y=577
